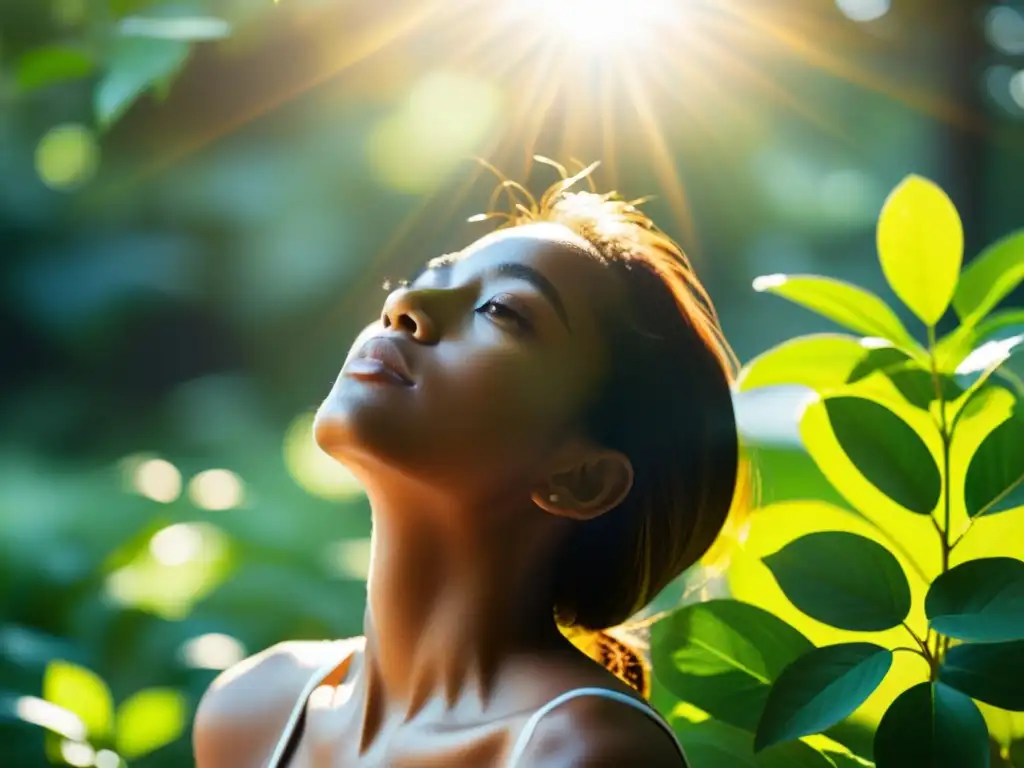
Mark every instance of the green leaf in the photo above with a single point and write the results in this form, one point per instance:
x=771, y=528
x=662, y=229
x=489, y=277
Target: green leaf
x=844, y=580
x=1017, y=753
x=42, y=67
x=932, y=726
x=819, y=689
x=846, y=304
x=921, y=246
x=883, y=359
x=149, y=720
x=722, y=656
x=975, y=369
x=989, y=278
x=815, y=361
x=918, y=386
x=80, y=691
x=981, y=601
x=989, y=672
x=995, y=475
x=887, y=451
x=952, y=348
x=136, y=64
x=716, y=744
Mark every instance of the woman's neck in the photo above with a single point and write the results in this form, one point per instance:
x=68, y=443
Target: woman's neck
x=448, y=602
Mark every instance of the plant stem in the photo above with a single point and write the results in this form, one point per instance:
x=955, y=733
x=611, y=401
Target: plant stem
x=944, y=531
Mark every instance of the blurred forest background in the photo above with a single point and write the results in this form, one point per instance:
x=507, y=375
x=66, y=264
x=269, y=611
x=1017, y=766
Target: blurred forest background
x=199, y=203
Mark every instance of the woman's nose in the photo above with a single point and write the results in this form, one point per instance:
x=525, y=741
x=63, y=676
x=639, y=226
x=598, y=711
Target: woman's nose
x=404, y=311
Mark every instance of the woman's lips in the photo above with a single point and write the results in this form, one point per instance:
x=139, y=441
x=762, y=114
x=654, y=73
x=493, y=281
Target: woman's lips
x=380, y=359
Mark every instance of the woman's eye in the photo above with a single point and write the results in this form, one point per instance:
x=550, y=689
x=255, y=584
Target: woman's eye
x=501, y=311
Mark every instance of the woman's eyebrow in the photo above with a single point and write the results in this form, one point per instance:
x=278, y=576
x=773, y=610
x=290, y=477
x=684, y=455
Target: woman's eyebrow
x=538, y=281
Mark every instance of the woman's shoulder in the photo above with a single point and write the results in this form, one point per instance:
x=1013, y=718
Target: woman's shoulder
x=243, y=712
x=591, y=731
x=592, y=724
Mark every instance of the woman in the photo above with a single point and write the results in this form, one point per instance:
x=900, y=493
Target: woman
x=543, y=426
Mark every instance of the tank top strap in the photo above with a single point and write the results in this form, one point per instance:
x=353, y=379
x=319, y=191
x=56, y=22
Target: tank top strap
x=519, y=749
x=330, y=673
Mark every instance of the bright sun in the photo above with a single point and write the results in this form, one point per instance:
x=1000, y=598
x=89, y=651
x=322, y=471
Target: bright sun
x=596, y=24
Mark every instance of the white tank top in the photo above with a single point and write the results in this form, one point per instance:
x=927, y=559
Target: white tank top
x=289, y=739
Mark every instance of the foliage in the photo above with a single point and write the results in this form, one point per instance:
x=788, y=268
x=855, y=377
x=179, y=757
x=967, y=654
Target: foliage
x=126, y=48
x=904, y=432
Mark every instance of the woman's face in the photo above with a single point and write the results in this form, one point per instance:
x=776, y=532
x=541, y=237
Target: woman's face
x=474, y=373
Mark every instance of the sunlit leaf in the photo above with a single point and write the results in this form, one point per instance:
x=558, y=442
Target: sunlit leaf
x=722, y=656
x=42, y=67
x=134, y=65
x=989, y=278
x=989, y=672
x=716, y=744
x=921, y=246
x=932, y=725
x=849, y=305
x=979, y=601
x=149, y=720
x=819, y=689
x=995, y=475
x=844, y=580
x=883, y=447
x=83, y=692
x=992, y=356
x=952, y=348
x=817, y=360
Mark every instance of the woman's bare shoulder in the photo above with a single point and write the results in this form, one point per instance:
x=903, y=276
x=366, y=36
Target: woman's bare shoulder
x=242, y=713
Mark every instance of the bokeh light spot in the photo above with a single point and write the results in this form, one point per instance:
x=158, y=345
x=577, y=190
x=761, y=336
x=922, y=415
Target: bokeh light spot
x=212, y=651
x=216, y=489
x=67, y=157
x=864, y=10
x=313, y=469
x=349, y=558
x=106, y=758
x=444, y=121
x=1004, y=29
x=157, y=479
x=76, y=753
x=1017, y=88
x=176, y=544
x=48, y=715
x=181, y=565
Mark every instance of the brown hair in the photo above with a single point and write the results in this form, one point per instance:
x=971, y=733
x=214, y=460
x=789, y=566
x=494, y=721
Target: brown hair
x=666, y=404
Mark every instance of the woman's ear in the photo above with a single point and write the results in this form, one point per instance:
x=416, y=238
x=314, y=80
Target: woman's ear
x=595, y=483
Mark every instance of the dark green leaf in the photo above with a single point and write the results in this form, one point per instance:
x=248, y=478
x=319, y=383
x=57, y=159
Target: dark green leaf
x=848, y=305
x=918, y=386
x=844, y=580
x=989, y=277
x=887, y=451
x=980, y=601
x=722, y=656
x=989, y=672
x=995, y=475
x=819, y=689
x=43, y=67
x=136, y=64
x=1017, y=754
x=878, y=359
x=932, y=726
